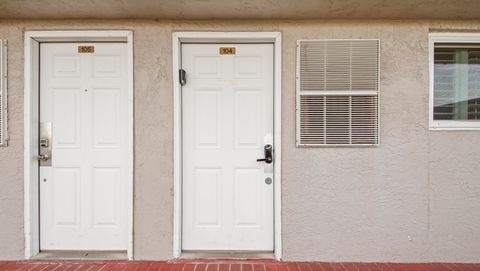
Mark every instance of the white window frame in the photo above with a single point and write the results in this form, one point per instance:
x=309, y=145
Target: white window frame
x=447, y=38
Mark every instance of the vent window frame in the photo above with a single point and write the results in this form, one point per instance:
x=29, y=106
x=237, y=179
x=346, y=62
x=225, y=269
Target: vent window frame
x=347, y=94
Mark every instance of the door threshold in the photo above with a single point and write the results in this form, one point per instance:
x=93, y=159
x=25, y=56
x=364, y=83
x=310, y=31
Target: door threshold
x=80, y=255
x=227, y=255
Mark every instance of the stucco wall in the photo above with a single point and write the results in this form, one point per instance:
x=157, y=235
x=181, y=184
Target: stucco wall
x=416, y=197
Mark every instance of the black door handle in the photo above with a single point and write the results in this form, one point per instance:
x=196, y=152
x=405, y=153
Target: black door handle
x=268, y=154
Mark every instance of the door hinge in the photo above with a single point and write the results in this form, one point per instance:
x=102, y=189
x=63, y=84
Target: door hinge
x=182, y=77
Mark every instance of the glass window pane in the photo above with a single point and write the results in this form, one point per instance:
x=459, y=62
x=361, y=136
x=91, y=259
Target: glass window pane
x=456, y=82
x=474, y=84
x=444, y=83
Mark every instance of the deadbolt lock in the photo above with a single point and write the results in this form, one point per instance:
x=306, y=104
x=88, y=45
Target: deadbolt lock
x=268, y=180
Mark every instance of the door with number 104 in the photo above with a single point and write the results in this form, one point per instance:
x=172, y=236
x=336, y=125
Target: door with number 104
x=227, y=124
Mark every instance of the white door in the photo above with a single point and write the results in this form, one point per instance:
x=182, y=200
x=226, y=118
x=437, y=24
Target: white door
x=227, y=118
x=83, y=192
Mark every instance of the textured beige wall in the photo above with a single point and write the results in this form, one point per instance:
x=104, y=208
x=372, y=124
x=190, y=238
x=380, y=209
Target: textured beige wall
x=416, y=197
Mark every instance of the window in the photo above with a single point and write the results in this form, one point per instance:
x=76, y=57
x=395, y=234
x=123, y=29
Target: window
x=3, y=92
x=337, y=92
x=454, y=81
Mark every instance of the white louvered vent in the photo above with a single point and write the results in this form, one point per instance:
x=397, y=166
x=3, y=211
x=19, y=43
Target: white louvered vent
x=3, y=92
x=337, y=92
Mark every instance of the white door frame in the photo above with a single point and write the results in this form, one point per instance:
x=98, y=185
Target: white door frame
x=226, y=37
x=31, y=117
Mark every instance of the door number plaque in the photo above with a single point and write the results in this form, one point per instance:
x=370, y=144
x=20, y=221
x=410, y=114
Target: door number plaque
x=86, y=49
x=227, y=50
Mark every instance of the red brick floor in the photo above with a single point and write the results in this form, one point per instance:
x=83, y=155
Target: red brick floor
x=228, y=265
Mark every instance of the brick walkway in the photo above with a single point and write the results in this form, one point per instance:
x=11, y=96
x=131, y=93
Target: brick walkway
x=227, y=265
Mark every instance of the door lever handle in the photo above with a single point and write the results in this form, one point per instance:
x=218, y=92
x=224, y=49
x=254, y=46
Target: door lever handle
x=43, y=157
x=268, y=149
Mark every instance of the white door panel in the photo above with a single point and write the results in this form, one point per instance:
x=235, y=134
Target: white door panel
x=83, y=192
x=227, y=111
